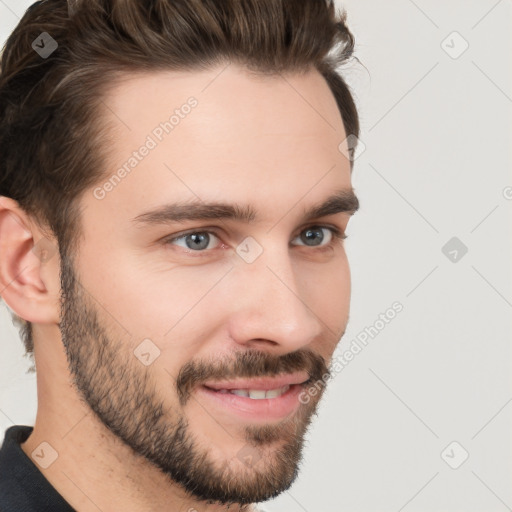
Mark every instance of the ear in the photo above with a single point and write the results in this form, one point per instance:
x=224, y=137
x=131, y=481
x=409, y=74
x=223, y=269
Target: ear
x=29, y=266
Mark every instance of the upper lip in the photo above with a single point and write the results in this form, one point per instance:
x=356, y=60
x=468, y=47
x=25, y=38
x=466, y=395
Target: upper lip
x=262, y=383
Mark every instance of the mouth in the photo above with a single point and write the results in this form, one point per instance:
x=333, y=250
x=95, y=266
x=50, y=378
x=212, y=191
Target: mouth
x=256, y=394
x=256, y=400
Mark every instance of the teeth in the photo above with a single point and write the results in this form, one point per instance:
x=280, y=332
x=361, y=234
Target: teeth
x=274, y=393
x=257, y=394
x=240, y=392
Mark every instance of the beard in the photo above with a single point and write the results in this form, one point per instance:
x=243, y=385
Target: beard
x=122, y=394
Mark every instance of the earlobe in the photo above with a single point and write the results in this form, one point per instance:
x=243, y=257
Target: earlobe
x=28, y=267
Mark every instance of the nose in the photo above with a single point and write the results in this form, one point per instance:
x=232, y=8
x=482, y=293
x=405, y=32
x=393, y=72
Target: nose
x=271, y=310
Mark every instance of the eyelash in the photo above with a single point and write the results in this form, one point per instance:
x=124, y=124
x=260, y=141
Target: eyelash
x=337, y=235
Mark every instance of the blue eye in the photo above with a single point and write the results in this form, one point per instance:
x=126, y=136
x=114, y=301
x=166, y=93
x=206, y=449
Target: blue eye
x=195, y=241
x=313, y=236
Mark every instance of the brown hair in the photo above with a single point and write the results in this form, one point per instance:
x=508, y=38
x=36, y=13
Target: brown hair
x=52, y=138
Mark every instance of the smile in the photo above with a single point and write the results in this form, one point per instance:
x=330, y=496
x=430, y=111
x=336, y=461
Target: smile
x=257, y=394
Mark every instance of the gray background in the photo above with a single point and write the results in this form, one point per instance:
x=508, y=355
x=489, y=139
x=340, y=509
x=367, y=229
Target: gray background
x=436, y=128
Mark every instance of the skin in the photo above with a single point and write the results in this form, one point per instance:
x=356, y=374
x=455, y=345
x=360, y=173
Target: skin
x=115, y=422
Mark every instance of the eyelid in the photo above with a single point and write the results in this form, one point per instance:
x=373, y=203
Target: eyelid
x=336, y=232
x=172, y=238
x=337, y=236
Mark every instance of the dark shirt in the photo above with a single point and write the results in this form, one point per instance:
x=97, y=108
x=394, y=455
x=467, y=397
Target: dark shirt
x=23, y=488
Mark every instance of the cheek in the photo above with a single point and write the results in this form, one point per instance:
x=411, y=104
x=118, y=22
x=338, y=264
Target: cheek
x=327, y=291
x=164, y=304
x=179, y=307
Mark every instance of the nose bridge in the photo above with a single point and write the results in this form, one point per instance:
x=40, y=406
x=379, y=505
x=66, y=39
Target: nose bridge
x=273, y=305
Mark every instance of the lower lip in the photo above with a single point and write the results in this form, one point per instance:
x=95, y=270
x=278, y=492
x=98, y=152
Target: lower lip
x=256, y=409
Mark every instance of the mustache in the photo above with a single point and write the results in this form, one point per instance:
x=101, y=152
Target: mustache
x=253, y=363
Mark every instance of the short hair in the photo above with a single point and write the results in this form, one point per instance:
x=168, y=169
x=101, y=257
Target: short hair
x=53, y=140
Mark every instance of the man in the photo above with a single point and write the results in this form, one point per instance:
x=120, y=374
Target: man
x=175, y=181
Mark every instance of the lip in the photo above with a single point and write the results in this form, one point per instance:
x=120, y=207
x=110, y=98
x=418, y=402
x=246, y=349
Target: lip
x=253, y=410
x=263, y=383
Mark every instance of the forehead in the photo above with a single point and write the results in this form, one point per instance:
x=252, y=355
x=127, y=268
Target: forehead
x=228, y=93
x=222, y=131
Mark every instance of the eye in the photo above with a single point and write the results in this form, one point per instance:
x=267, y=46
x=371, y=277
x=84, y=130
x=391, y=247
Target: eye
x=313, y=236
x=195, y=241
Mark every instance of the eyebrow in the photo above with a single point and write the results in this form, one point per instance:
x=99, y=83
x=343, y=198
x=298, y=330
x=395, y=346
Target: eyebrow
x=342, y=201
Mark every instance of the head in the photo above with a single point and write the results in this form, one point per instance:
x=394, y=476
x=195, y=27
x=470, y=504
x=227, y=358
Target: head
x=176, y=183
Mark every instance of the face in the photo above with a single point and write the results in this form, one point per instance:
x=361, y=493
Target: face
x=210, y=288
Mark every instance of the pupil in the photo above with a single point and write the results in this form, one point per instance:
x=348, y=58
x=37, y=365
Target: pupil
x=199, y=241
x=311, y=235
